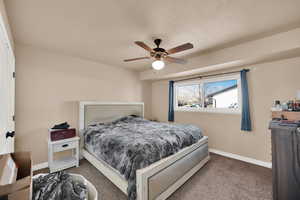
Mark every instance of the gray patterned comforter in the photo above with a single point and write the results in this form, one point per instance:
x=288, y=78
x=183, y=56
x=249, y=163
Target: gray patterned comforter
x=131, y=143
x=58, y=186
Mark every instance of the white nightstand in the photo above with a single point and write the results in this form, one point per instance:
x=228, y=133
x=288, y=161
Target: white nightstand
x=63, y=145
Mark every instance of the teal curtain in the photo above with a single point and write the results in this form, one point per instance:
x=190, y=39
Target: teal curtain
x=171, y=101
x=246, y=118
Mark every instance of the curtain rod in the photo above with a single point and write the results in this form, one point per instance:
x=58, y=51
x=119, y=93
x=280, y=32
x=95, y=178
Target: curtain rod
x=209, y=75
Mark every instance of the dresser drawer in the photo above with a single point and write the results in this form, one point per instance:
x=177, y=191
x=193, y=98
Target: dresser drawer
x=64, y=146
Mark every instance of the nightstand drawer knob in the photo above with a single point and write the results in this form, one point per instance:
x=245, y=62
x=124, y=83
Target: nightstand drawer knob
x=65, y=145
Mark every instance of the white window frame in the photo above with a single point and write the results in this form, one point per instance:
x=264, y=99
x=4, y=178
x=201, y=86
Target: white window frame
x=210, y=110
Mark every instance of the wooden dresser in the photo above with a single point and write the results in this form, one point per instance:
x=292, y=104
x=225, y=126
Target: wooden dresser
x=286, y=156
x=290, y=115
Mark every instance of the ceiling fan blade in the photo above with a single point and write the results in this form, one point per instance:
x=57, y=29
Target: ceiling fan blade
x=180, y=48
x=133, y=59
x=143, y=45
x=175, y=60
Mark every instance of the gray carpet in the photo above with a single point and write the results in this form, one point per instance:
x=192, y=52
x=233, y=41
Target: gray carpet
x=220, y=179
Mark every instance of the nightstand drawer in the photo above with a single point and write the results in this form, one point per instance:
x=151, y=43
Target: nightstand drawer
x=64, y=146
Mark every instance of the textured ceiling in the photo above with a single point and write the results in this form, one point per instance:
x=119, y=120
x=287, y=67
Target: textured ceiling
x=104, y=30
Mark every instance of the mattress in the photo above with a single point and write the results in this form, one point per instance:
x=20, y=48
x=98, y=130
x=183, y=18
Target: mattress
x=131, y=143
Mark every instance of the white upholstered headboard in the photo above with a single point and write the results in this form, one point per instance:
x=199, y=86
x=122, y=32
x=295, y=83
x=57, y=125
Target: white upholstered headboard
x=93, y=111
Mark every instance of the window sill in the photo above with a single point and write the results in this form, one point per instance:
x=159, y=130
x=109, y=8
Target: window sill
x=217, y=111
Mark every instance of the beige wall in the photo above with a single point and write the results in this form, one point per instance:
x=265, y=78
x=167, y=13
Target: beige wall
x=147, y=98
x=267, y=82
x=49, y=85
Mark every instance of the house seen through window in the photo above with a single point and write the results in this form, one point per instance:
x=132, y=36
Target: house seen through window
x=209, y=95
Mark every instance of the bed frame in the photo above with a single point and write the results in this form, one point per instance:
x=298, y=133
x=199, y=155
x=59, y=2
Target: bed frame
x=160, y=179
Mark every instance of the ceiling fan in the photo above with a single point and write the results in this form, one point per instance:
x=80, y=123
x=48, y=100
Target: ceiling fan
x=160, y=55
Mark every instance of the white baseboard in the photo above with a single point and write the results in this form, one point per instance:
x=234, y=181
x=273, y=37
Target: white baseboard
x=40, y=166
x=222, y=153
x=242, y=158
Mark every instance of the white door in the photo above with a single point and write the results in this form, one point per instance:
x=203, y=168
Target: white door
x=7, y=94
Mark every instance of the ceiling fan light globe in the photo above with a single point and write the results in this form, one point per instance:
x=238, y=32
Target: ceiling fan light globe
x=158, y=65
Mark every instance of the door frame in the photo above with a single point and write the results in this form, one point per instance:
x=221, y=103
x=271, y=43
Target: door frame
x=8, y=48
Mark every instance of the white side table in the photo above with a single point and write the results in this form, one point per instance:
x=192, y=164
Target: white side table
x=63, y=145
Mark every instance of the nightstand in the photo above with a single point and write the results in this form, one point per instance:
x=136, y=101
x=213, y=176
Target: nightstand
x=59, y=146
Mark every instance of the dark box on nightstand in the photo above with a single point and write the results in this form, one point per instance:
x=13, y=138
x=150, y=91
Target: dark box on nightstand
x=61, y=134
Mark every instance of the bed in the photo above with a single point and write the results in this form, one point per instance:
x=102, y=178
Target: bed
x=160, y=178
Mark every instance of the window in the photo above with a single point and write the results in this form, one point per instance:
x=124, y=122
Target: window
x=209, y=95
x=189, y=96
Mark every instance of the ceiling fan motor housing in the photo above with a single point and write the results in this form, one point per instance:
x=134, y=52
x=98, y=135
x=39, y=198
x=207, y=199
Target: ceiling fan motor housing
x=157, y=42
x=158, y=52
x=158, y=49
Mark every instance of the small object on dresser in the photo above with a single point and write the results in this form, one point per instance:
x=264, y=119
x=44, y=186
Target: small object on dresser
x=277, y=106
x=284, y=107
x=61, y=134
x=290, y=105
x=297, y=105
